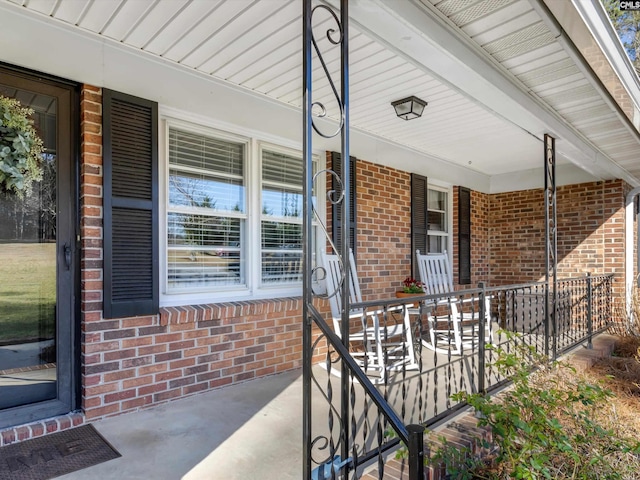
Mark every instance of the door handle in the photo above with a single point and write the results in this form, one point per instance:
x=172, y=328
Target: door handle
x=67, y=255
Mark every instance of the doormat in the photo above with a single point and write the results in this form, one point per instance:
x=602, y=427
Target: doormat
x=56, y=454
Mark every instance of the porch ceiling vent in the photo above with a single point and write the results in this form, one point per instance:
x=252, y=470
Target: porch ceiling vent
x=409, y=108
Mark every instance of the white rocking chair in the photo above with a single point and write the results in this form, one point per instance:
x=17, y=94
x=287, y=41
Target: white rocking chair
x=459, y=327
x=382, y=348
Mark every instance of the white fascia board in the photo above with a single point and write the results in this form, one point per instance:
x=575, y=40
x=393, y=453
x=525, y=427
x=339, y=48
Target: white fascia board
x=597, y=21
x=87, y=58
x=573, y=33
x=412, y=31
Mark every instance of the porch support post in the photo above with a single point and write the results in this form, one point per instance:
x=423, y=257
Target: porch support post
x=589, y=311
x=551, y=244
x=307, y=247
x=346, y=216
x=482, y=355
x=337, y=35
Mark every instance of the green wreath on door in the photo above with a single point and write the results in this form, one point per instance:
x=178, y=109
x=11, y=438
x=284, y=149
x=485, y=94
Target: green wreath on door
x=20, y=148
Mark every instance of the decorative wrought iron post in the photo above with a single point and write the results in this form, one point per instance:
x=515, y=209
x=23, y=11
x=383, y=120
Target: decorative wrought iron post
x=337, y=35
x=307, y=188
x=346, y=444
x=589, y=311
x=346, y=212
x=551, y=244
x=482, y=357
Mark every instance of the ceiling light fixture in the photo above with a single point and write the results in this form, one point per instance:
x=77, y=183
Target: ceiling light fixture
x=409, y=108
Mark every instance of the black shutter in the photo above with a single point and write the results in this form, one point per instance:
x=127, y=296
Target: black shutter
x=464, y=235
x=130, y=142
x=336, y=214
x=419, y=219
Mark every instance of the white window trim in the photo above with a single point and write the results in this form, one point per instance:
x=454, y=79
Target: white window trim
x=255, y=142
x=448, y=189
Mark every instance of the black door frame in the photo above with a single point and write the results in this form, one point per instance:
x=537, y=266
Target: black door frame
x=67, y=232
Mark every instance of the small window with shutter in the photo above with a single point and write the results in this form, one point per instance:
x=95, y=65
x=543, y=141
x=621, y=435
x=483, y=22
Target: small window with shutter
x=438, y=219
x=430, y=220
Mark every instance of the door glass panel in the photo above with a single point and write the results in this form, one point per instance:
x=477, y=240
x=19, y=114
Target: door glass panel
x=28, y=271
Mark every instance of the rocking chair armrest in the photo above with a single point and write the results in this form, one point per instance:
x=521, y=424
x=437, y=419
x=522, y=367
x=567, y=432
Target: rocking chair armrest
x=391, y=309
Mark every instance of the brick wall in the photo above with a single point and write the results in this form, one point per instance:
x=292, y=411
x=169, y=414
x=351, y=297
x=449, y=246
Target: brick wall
x=480, y=230
x=384, y=229
x=516, y=238
x=135, y=362
x=591, y=225
x=129, y=363
x=613, y=233
x=383, y=238
x=590, y=220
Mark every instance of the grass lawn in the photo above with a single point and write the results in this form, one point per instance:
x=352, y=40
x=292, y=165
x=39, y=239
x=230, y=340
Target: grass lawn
x=27, y=291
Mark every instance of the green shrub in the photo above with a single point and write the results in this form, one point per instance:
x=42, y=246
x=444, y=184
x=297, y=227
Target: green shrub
x=544, y=426
x=550, y=424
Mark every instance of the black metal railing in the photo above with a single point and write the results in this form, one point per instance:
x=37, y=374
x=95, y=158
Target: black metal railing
x=427, y=363
x=355, y=437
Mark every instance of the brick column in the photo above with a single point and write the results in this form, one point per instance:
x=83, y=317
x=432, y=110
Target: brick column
x=91, y=232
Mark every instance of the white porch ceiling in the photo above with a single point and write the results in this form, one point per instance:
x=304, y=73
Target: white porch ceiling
x=470, y=122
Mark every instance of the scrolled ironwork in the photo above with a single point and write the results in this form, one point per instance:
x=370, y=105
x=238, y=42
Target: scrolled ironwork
x=330, y=34
x=551, y=244
x=334, y=196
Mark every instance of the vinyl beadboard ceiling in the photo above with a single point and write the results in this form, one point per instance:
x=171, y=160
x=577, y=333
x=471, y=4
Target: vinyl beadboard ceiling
x=256, y=45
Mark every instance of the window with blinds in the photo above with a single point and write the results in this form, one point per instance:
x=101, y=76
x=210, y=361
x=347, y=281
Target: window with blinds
x=234, y=215
x=206, y=211
x=281, y=218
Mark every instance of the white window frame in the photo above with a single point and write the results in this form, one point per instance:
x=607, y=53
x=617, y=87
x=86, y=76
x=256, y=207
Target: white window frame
x=255, y=142
x=448, y=189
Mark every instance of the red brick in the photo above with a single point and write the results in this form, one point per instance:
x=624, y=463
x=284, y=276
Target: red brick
x=154, y=388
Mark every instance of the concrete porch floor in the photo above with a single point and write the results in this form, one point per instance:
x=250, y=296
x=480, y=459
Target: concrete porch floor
x=247, y=431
